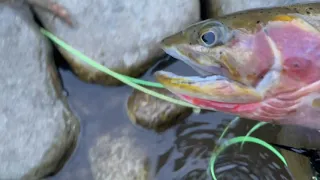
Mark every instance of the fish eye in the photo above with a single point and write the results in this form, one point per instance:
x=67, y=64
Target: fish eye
x=208, y=38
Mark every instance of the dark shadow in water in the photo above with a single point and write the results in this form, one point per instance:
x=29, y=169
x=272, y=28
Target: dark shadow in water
x=181, y=152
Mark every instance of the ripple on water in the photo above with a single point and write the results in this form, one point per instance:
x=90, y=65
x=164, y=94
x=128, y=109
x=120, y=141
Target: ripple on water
x=250, y=165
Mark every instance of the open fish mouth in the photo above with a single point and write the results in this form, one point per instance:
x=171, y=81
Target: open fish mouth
x=214, y=88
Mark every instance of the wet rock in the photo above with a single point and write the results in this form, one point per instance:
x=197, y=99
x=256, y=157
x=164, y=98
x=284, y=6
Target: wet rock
x=152, y=112
x=215, y=8
x=118, y=157
x=37, y=130
x=122, y=35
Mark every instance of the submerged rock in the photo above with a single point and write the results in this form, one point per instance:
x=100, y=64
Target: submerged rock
x=114, y=158
x=37, y=130
x=222, y=7
x=152, y=112
x=122, y=35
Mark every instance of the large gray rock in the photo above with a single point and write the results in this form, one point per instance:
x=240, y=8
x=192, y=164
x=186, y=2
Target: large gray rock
x=114, y=158
x=122, y=35
x=222, y=7
x=37, y=130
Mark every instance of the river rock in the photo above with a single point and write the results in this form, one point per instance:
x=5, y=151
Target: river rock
x=215, y=8
x=118, y=157
x=37, y=130
x=152, y=112
x=121, y=35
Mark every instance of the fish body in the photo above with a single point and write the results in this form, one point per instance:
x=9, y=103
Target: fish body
x=262, y=64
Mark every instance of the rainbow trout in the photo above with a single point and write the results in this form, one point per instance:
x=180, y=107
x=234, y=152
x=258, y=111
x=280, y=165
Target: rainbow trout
x=261, y=64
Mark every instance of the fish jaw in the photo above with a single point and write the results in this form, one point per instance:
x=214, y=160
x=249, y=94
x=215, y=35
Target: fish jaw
x=212, y=92
x=215, y=93
x=298, y=107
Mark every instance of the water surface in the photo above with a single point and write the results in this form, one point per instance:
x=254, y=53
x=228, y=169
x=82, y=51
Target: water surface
x=180, y=153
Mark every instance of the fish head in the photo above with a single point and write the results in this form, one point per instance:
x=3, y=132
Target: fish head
x=259, y=67
x=216, y=47
x=194, y=46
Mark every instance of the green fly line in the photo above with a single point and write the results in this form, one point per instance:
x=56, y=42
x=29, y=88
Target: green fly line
x=116, y=75
x=242, y=140
x=236, y=119
x=134, y=82
x=254, y=128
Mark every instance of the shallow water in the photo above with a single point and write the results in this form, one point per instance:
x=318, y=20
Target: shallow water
x=181, y=152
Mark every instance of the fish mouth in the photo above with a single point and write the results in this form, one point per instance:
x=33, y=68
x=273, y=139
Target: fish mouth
x=214, y=88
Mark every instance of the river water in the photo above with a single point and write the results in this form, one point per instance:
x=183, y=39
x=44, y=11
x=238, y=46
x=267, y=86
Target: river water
x=182, y=152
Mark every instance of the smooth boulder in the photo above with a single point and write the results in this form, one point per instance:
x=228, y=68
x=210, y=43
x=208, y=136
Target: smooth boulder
x=37, y=130
x=151, y=112
x=118, y=157
x=121, y=35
